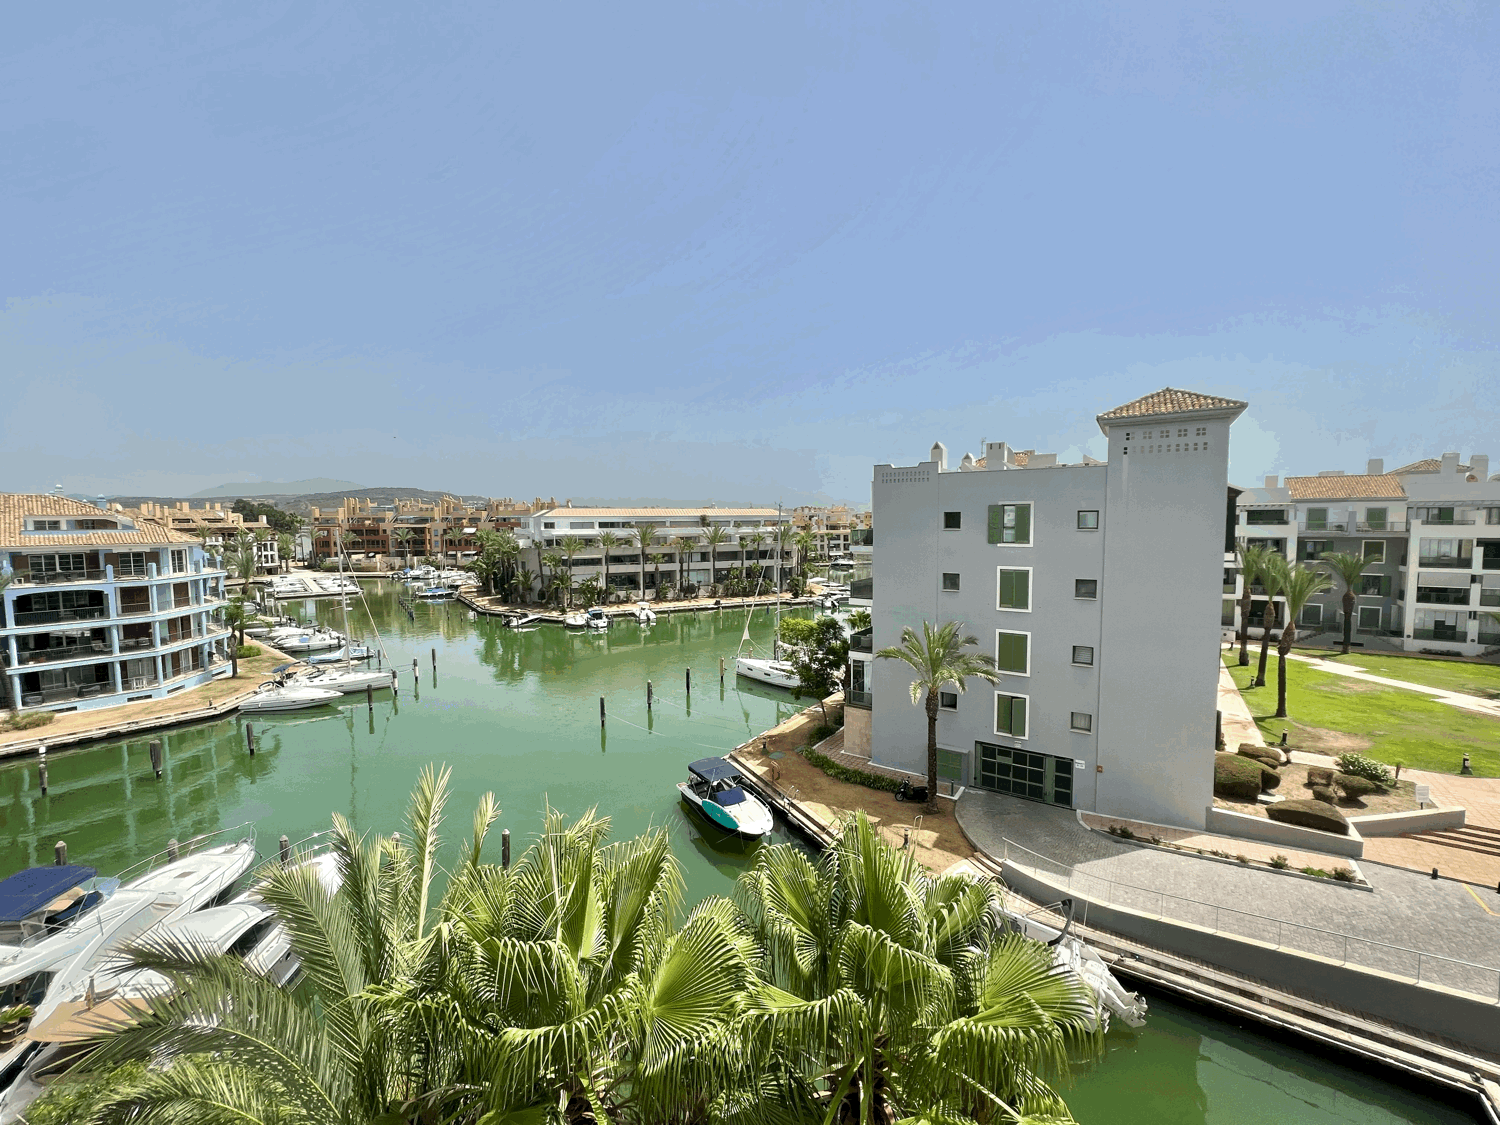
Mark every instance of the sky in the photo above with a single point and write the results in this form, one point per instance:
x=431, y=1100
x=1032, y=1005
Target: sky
x=734, y=252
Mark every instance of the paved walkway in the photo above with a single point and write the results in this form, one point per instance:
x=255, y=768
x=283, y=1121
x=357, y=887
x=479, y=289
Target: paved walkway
x=1407, y=911
x=1239, y=725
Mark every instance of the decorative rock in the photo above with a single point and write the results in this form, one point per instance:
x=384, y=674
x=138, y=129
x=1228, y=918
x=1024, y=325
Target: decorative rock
x=1310, y=814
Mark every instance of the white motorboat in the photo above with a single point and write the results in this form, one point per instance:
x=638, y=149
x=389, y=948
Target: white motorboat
x=777, y=673
x=715, y=787
x=308, y=640
x=339, y=656
x=644, y=614
x=343, y=679
x=596, y=618
x=434, y=593
x=279, y=696
x=524, y=621
x=575, y=619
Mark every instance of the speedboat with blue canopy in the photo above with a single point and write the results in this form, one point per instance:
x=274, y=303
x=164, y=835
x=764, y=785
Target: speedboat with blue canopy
x=715, y=787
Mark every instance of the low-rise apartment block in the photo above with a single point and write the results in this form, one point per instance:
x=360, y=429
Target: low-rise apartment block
x=99, y=608
x=1093, y=585
x=1429, y=530
x=213, y=526
x=389, y=534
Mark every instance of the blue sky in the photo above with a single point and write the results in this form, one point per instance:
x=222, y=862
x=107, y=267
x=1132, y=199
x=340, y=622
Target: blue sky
x=733, y=252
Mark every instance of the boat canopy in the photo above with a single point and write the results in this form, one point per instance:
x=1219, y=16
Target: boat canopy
x=26, y=892
x=714, y=769
x=734, y=795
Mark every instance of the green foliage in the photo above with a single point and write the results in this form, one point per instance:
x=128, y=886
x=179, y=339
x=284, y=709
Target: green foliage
x=1260, y=754
x=1123, y=831
x=1309, y=814
x=1280, y=862
x=1319, y=775
x=1318, y=871
x=74, y=1098
x=1353, y=786
x=1242, y=778
x=859, y=619
x=29, y=720
x=817, y=648
x=1356, y=765
x=1325, y=793
x=1343, y=874
x=278, y=520
x=15, y=1014
x=852, y=776
x=245, y=652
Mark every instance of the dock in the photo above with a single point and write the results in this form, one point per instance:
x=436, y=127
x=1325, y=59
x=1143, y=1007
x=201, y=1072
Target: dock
x=697, y=605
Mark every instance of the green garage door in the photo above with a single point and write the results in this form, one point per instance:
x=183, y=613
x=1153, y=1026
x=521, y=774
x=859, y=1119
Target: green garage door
x=1022, y=773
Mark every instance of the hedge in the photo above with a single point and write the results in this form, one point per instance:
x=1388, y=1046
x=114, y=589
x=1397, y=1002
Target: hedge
x=1325, y=794
x=1244, y=778
x=1309, y=814
x=1353, y=786
x=1319, y=775
x=1264, y=754
x=852, y=776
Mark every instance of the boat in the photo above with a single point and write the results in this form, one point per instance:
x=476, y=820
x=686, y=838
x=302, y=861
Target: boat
x=777, y=673
x=317, y=639
x=715, y=788
x=521, y=621
x=342, y=680
x=349, y=652
x=278, y=695
x=596, y=618
x=645, y=614
x=434, y=593
x=575, y=619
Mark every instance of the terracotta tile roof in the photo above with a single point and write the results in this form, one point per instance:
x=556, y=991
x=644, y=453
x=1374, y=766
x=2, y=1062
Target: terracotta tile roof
x=1426, y=465
x=1386, y=487
x=1170, y=400
x=661, y=513
x=16, y=507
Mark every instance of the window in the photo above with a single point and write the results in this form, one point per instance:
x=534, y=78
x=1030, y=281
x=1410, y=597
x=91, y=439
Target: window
x=1492, y=515
x=132, y=563
x=1015, y=588
x=1201, y=431
x=1010, y=523
x=1317, y=519
x=96, y=525
x=46, y=525
x=1310, y=550
x=950, y=581
x=1085, y=587
x=1088, y=521
x=58, y=564
x=1312, y=615
x=1265, y=515
x=1433, y=515
x=1375, y=518
x=1369, y=618
x=952, y=521
x=548, y=526
x=948, y=700
x=179, y=562
x=1375, y=550
x=1083, y=654
x=1010, y=715
x=1080, y=722
x=1012, y=652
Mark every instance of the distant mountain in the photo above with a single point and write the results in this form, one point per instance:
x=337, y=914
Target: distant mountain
x=281, y=488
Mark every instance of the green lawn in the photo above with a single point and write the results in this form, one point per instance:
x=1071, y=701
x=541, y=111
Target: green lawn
x=1482, y=680
x=1330, y=714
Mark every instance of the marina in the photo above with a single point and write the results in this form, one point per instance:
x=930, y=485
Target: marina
x=518, y=712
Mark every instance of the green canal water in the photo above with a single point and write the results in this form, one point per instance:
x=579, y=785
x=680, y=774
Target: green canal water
x=518, y=713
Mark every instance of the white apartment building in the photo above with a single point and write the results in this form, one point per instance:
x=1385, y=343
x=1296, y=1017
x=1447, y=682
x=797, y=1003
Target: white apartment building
x=1093, y=585
x=99, y=609
x=1431, y=533
x=682, y=544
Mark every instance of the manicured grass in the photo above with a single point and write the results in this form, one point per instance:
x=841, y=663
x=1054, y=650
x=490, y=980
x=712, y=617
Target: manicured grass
x=1330, y=714
x=1482, y=680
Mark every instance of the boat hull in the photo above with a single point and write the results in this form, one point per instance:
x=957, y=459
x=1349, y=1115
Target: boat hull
x=777, y=673
x=754, y=827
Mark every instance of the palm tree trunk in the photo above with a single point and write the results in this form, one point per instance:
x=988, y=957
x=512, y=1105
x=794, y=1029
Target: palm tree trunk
x=1283, y=647
x=1245, y=626
x=932, y=717
x=1267, y=620
x=1348, y=617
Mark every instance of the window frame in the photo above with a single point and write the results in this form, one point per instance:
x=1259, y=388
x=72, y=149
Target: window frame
x=957, y=519
x=1094, y=597
x=1309, y=608
x=1088, y=512
x=1379, y=524
x=1366, y=544
x=944, y=695
x=1013, y=633
x=1073, y=722
x=1359, y=613
x=1030, y=540
x=1089, y=663
x=1318, y=524
x=1029, y=591
x=953, y=589
x=1026, y=715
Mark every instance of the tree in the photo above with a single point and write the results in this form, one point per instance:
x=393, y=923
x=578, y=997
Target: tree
x=753, y=541
x=806, y=542
x=1252, y=566
x=1297, y=585
x=403, y=537
x=524, y=580
x=645, y=539
x=656, y=561
x=276, y=519
x=782, y=538
x=240, y=561
x=1347, y=568
x=489, y=559
x=1272, y=575
x=859, y=620
x=590, y=592
x=286, y=543
x=608, y=541
x=900, y=988
x=715, y=538
x=683, y=545
x=817, y=648
x=938, y=657
x=570, y=545
x=554, y=562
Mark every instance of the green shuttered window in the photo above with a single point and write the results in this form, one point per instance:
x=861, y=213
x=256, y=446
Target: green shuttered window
x=1010, y=523
x=1015, y=590
x=1010, y=715
x=1011, y=652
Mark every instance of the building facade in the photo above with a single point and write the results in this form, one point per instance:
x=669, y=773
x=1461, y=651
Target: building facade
x=99, y=608
x=1430, y=532
x=1093, y=585
x=214, y=527
x=387, y=535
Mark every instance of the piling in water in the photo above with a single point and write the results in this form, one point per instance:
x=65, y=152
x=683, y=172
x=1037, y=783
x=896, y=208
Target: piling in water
x=60, y=853
x=648, y=695
x=173, y=847
x=601, y=710
x=156, y=757
x=284, y=849
x=250, y=739
x=505, y=847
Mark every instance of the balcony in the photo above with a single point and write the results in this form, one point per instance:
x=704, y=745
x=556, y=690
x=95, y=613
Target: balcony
x=862, y=537
x=1444, y=562
x=857, y=698
x=861, y=642
x=53, y=616
x=66, y=692
x=1443, y=595
x=58, y=577
x=1489, y=639
x=62, y=652
x=1388, y=525
x=1443, y=523
x=1441, y=633
x=1326, y=525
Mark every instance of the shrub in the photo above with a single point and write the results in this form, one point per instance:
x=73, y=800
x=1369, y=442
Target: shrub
x=822, y=731
x=1309, y=814
x=1353, y=786
x=1360, y=766
x=1280, y=862
x=1122, y=831
x=1318, y=775
x=29, y=721
x=1324, y=793
x=1243, y=859
x=1343, y=875
x=852, y=776
x=245, y=652
x=1318, y=871
x=1244, y=778
x=1260, y=753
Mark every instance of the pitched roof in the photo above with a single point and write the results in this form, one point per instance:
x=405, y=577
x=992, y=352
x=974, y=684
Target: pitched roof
x=1427, y=465
x=1384, y=487
x=1170, y=400
x=16, y=507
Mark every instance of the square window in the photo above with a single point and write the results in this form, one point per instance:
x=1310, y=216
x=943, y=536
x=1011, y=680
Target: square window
x=1088, y=521
x=1010, y=715
x=1013, y=653
x=1085, y=587
x=1014, y=586
x=952, y=521
x=1376, y=518
x=950, y=581
x=1375, y=550
x=1312, y=614
x=948, y=700
x=1369, y=617
x=1083, y=654
x=1010, y=523
x=1080, y=722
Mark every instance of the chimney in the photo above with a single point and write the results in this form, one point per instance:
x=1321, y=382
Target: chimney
x=1450, y=464
x=967, y=464
x=1271, y=481
x=998, y=455
x=1375, y=467
x=940, y=455
x=1479, y=466
x=100, y=502
x=1330, y=472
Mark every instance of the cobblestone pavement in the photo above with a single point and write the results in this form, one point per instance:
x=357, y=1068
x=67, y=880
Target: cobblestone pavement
x=1390, y=928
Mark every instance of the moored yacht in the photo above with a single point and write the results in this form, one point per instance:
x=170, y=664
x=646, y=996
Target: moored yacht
x=342, y=678
x=278, y=695
x=777, y=673
x=715, y=787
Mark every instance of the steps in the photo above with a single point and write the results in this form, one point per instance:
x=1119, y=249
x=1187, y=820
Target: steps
x=1471, y=838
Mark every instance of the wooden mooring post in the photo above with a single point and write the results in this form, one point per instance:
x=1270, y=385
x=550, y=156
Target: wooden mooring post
x=648, y=695
x=601, y=710
x=505, y=847
x=250, y=739
x=155, y=749
x=41, y=768
x=60, y=853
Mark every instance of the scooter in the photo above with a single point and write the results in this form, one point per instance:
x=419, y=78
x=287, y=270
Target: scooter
x=907, y=792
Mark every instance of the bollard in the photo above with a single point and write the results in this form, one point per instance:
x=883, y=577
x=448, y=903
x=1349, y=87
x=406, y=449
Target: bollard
x=648, y=695
x=434, y=660
x=688, y=673
x=60, y=853
x=721, y=671
x=1434, y=873
x=1466, y=770
x=284, y=849
x=173, y=847
x=250, y=738
x=601, y=710
x=505, y=847
x=370, y=698
x=1283, y=736
x=156, y=757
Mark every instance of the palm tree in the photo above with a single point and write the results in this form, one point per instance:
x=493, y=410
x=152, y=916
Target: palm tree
x=608, y=541
x=715, y=538
x=1272, y=576
x=554, y=561
x=570, y=545
x=806, y=541
x=900, y=990
x=524, y=580
x=348, y=541
x=1347, y=568
x=285, y=545
x=1252, y=567
x=754, y=540
x=782, y=537
x=656, y=561
x=859, y=619
x=645, y=538
x=240, y=561
x=1298, y=584
x=937, y=658
x=403, y=537
x=682, y=544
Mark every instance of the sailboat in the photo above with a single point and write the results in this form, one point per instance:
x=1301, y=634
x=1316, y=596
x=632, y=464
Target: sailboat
x=777, y=673
x=342, y=676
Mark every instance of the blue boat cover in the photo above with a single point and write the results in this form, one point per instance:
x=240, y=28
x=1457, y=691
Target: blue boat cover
x=714, y=769
x=730, y=796
x=26, y=892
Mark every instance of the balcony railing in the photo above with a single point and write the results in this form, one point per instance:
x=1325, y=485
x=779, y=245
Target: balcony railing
x=52, y=578
x=1388, y=525
x=1489, y=638
x=862, y=537
x=133, y=643
x=52, y=616
x=65, y=652
x=1430, y=595
x=1230, y=588
x=1445, y=633
x=861, y=642
x=1444, y=523
x=857, y=698
x=1445, y=562
x=69, y=691
x=1326, y=525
